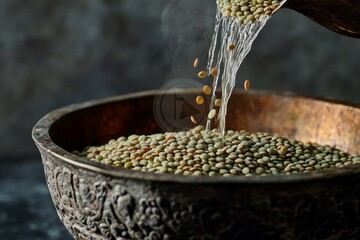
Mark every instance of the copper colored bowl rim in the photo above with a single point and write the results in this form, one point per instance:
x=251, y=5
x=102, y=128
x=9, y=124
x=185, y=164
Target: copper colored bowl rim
x=40, y=135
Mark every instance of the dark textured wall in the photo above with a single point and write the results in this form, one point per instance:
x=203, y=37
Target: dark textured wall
x=54, y=53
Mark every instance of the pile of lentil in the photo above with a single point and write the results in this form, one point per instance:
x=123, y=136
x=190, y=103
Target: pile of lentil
x=247, y=11
x=200, y=152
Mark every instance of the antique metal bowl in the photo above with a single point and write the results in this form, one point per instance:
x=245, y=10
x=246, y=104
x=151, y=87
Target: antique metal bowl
x=96, y=201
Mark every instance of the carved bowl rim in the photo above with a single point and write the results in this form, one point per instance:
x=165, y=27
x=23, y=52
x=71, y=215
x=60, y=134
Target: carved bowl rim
x=40, y=135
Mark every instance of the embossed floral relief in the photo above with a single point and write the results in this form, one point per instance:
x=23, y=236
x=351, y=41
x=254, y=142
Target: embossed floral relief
x=94, y=206
x=99, y=208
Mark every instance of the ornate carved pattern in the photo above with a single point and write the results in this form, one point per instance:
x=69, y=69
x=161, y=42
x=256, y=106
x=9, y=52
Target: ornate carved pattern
x=95, y=207
x=99, y=208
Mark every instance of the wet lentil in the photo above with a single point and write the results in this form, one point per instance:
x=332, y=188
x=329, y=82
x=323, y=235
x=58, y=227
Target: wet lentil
x=248, y=11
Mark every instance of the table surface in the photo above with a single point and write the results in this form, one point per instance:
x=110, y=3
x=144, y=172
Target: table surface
x=26, y=209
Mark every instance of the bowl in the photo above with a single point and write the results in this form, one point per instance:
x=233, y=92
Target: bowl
x=96, y=201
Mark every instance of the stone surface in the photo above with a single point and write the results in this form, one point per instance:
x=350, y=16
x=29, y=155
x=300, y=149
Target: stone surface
x=26, y=209
x=54, y=53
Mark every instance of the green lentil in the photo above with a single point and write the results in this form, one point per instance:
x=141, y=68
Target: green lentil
x=245, y=170
x=212, y=114
x=199, y=152
x=246, y=11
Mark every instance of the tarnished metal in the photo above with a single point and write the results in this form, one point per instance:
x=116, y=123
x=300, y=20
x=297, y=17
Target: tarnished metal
x=341, y=16
x=96, y=201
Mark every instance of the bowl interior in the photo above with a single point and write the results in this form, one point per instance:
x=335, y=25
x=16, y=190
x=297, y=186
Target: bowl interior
x=295, y=117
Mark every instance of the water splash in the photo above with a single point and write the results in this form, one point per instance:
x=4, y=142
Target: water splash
x=228, y=32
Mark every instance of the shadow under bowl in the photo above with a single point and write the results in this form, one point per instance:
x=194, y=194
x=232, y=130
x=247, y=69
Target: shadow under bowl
x=95, y=201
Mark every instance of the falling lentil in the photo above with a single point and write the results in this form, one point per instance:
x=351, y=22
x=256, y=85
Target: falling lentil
x=207, y=90
x=200, y=152
x=202, y=74
x=193, y=120
x=214, y=72
x=232, y=47
x=247, y=85
x=199, y=100
x=196, y=63
x=212, y=114
x=218, y=102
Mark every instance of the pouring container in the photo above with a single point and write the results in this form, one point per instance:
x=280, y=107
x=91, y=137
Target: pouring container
x=340, y=16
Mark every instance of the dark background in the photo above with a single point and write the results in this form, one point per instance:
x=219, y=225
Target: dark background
x=55, y=53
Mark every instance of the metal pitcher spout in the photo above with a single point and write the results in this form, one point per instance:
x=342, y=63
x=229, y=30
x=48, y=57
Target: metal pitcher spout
x=341, y=16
